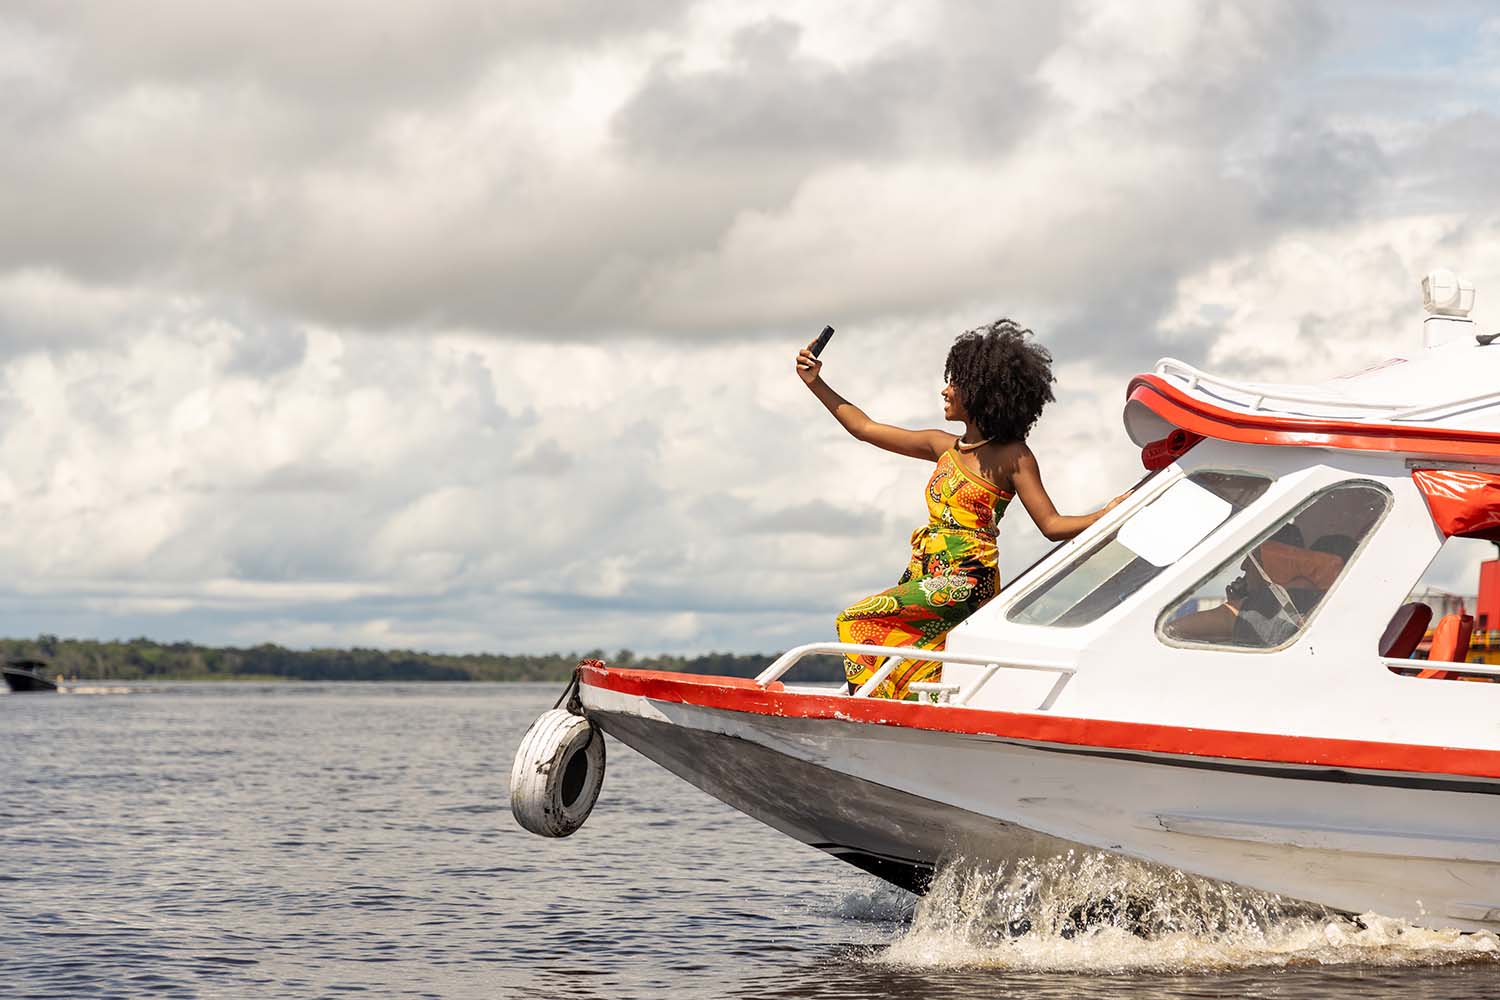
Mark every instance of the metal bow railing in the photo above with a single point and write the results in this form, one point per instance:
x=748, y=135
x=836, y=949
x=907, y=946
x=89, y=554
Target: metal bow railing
x=896, y=655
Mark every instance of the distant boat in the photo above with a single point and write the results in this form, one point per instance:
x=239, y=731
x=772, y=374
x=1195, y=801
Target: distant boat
x=25, y=675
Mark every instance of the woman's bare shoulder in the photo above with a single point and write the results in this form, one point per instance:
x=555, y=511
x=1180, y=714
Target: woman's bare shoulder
x=1001, y=460
x=1013, y=449
x=1010, y=455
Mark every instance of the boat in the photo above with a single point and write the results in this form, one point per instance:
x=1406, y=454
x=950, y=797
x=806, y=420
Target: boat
x=1217, y=676
x=22, y=675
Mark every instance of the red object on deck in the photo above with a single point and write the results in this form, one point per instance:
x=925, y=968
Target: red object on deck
x=1450, y=644
x=1487, y=609
x=1160, y=454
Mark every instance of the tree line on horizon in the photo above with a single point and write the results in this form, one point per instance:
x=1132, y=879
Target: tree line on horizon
x=145, y=659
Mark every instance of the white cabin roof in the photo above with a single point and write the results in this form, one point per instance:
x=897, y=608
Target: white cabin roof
x=1441, y=401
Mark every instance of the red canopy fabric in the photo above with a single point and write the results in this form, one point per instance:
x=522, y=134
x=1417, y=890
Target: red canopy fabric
x=1463, y=504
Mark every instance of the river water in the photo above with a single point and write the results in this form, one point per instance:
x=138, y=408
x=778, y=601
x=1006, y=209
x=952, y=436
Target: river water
x=314, y=840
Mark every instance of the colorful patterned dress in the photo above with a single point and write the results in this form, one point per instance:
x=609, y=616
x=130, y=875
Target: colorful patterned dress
x=954, y=570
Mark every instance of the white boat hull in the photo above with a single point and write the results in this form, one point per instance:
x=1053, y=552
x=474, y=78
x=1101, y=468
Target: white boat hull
x=897, y=801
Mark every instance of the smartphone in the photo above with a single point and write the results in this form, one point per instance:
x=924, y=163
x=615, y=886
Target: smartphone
x=822, y=341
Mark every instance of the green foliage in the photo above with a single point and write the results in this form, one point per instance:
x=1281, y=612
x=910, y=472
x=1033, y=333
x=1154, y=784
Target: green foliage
x=143, y=659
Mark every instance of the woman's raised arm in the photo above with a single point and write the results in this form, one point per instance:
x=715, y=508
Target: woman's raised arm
x=929, y=445
x=1027, y=480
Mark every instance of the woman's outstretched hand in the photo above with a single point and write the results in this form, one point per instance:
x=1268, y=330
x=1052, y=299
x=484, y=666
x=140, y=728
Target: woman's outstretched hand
x=809, y=368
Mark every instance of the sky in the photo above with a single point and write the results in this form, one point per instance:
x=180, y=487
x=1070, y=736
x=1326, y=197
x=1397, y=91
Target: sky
x=469, y=326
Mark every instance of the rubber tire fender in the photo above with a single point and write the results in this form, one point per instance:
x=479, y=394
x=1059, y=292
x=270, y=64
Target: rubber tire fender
x=557, y=774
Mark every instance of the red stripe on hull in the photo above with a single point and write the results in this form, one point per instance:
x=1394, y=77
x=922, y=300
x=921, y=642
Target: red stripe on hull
x=736, y=694
x=1190, y=413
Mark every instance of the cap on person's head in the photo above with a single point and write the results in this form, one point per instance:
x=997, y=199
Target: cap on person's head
x=1287, y=534
x=1338, y=545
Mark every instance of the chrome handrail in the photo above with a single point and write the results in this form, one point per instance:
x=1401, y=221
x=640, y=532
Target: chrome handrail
x=897, y=654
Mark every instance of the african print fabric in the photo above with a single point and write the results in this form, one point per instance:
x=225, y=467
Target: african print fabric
x=952, y=572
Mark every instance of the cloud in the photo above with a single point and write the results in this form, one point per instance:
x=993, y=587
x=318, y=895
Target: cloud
x=1317, y=305
x=267, y=350
x=774, y=103
x=333, y=57
x=652, y=172
x=816, y=517
x=1318, y=175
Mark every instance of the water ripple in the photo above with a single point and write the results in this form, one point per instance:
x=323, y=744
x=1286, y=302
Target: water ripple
x=325, y=840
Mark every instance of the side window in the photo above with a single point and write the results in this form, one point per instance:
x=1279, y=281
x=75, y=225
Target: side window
x=1265, y=595
x=1450, y=616
x=1116, y=567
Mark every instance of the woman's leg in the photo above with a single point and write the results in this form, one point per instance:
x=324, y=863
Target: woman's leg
x=915, y=613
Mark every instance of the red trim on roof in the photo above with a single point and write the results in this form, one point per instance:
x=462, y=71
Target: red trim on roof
x=1184, y=410
x=736, y=694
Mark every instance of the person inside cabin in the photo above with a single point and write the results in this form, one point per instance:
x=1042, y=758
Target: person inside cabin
x=1281, y=582
x=998, y=380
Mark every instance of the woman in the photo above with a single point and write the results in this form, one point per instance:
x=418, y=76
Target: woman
x=998, y=382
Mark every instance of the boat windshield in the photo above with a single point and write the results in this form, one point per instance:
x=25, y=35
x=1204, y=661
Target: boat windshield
x=1152, y=539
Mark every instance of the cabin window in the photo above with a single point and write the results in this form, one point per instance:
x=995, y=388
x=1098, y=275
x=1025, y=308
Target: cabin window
x=1153, y=538
x=1452, y=616
x=1265, y=595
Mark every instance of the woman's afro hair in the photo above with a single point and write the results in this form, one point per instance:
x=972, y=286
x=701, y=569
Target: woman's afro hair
x=1002, y=377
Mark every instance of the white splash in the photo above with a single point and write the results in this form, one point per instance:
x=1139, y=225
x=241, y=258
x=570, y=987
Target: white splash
x=1102, y=913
